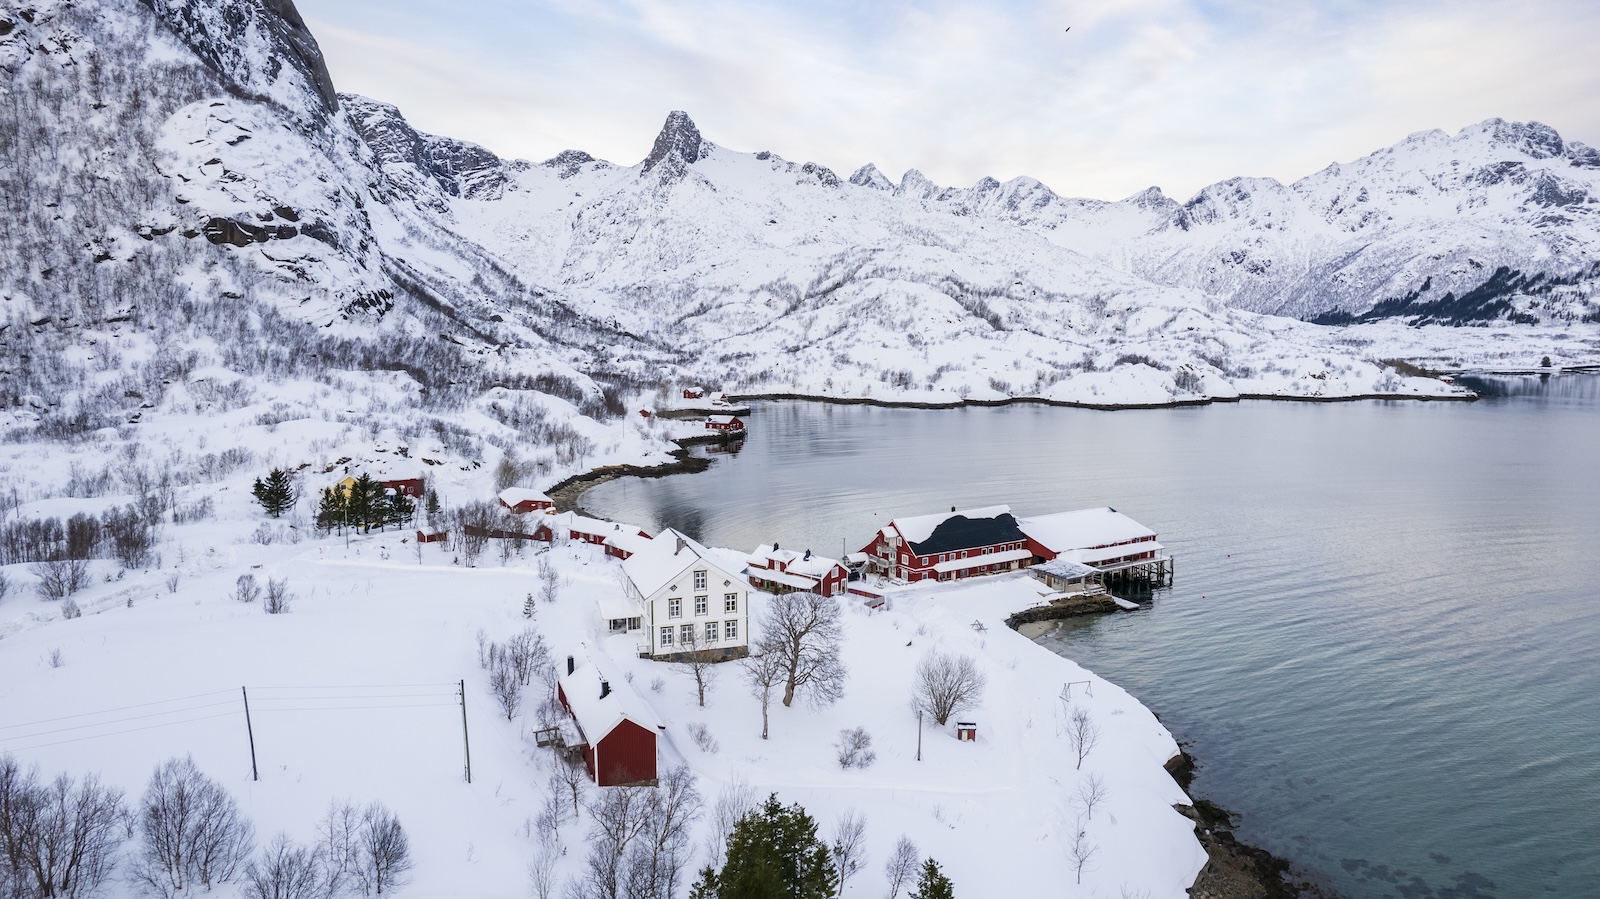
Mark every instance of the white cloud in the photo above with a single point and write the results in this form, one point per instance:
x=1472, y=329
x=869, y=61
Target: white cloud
x=1169, y=92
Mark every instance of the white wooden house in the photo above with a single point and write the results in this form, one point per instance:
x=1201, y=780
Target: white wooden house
x=686, y=598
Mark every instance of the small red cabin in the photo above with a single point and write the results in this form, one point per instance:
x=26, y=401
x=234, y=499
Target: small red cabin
x=617, y=727
x=411, y=487
x=777, y=570
x=432, y=536
x=724, y=423
x=693, y=393
x=521, y=500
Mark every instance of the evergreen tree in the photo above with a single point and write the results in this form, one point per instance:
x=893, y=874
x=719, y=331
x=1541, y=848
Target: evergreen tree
x=528, y=607
x=933, y=884
x=773, y=851
x=332, y=509
x=366, y=503
x=276, y=494
x=398, y=508
x=431, y=503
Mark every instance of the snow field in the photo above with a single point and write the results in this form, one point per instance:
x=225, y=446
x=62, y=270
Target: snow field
x=352, y=697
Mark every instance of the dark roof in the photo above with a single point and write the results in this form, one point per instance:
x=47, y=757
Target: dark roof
x=960, y=532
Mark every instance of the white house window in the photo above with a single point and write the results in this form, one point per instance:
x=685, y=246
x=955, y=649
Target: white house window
x=686, y=634
x=699, y=580
x=711, y=632
x=666, y=635
x=730, y=602
x=730, y=630
x=635, y=623
x=674, y=608
x=701, y=605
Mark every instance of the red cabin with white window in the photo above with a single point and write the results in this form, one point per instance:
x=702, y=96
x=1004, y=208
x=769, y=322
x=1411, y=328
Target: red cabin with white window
x=522, y=500
x=724, y=423
x=777, y=570
x=617, y=726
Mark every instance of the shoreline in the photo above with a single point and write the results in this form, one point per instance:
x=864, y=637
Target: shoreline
x=1102, y=407
x=1233, y=870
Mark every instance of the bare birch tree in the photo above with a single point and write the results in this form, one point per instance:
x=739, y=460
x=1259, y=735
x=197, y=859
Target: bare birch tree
x=803, y=630
x=945, y=684
x=384, y=862
x=1082, y=733
x=901, y=867
x=849, y=847
x=193, y=834
x=701, y=663
x=763, y=671
x=1091, y=792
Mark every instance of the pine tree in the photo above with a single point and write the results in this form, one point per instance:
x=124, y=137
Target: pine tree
x=398, y=508
x=276, y=494
x=775, y=852
x=933, y=884
x=366, y=502
x=528, y=607
x=332, y=509
x=705, y=887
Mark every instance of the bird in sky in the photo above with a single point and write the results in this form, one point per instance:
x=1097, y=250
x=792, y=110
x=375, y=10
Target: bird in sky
x=1069, y=28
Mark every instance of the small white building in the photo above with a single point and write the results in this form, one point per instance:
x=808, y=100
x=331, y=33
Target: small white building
x=686, y=599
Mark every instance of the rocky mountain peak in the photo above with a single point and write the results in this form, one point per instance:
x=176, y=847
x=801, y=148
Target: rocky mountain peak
x=678, y=146
x=869, y=176
x=454, y=167
x=227, y=36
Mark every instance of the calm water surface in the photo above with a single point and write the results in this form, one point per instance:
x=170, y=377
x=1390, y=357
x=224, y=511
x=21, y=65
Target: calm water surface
x=1383, y=644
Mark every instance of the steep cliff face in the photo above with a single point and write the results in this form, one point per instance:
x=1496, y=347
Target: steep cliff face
x=425, y=164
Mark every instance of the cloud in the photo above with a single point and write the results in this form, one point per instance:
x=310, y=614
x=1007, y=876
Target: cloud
x=1172, y=92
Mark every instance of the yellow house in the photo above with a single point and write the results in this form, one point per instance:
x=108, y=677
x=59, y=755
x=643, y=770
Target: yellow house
x=344, y=486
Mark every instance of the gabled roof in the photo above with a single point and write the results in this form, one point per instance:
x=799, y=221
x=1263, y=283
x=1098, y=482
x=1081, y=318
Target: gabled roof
x=1066, y=569
x=665, y=558
x=929, y=534
x=512, y=496
x=1083, y=529
x=599, y=716
x=768, y=556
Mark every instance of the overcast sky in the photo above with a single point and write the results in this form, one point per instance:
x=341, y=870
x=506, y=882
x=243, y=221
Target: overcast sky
x=1175, y=93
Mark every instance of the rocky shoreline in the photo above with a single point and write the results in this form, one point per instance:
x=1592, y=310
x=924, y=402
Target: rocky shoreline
x=1103, y=407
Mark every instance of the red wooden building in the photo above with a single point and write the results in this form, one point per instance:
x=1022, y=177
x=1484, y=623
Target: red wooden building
x=521, y=500
x=725, y=423
x=777, y=570
x=411, y=487
x=617, y=727
x=950, y=546
x=694, y=393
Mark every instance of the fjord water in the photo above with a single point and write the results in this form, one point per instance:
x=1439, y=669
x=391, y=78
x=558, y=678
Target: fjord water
x=1383, y=642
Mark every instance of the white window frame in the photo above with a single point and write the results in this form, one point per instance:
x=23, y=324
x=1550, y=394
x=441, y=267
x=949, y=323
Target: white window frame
x=699, y=580
x=702, y=605
x=711, y=631
x=730, y=629
x=674, y=607
x=730, y=602
x=666, y=635
x=686, y=630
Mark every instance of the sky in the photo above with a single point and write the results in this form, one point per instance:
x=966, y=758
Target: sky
x=1173, y=93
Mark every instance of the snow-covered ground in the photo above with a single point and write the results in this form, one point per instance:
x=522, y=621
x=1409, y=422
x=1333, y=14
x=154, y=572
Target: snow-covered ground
x=353, y=696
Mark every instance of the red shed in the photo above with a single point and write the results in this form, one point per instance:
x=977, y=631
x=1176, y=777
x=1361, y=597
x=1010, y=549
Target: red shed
x=411, y=487
x=724, y=423
x=522, y=499
x=617, y=726
x=693, y=393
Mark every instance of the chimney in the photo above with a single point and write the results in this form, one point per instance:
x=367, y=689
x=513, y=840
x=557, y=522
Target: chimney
x=572, y=664
x=775, y=546
x=808, y=556
x=681, y=546
x=605, y=689
x=952, y=508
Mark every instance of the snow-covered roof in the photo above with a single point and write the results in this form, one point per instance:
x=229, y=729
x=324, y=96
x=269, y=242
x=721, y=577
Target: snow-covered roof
x=919, y=528
x=719, y=419
x=1083, y=528
x=572, y=521
x=1065, y=568
x=807, y=563
x=665, y=557
x=597, y=715
x=629, y=540
x=798, y=581
x=614, y=606
x=512, y=496
x=1010, y=555
x=1104, y=553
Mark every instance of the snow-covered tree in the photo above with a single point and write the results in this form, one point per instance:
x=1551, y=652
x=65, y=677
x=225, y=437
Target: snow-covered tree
x=946, y=683
x=802, y=631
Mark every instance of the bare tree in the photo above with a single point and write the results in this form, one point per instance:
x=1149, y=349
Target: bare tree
x=528, y=655
x=56, y=839
x=385, y=854
x=901, y=868
x=1080, y=851
x=285, y=871
x=278, y=597
x=1082, y=733
x=702, y=664
x=542, y=872
x=339, y=850
x=5, y=585
x=193, y=833
x=945, y=684
x=855, y=748
x=504, y=685
x=1091, y=792
x=803, y=630
x=245, y=588
x=550, y=581
x=764, y=671
x=60, y=577
x=849, y=847
x=655, y=863
x=572, y=778
x=737, y=801
x=617, y=816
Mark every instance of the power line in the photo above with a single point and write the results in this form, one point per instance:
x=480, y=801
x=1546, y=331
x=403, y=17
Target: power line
x=357, y=708
x=125, y=708
x=116, y=733
x=62, y=730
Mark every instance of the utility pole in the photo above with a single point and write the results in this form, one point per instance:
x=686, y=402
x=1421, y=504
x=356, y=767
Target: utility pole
x=251, y=732
x=919, y=736
x=465, y=742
